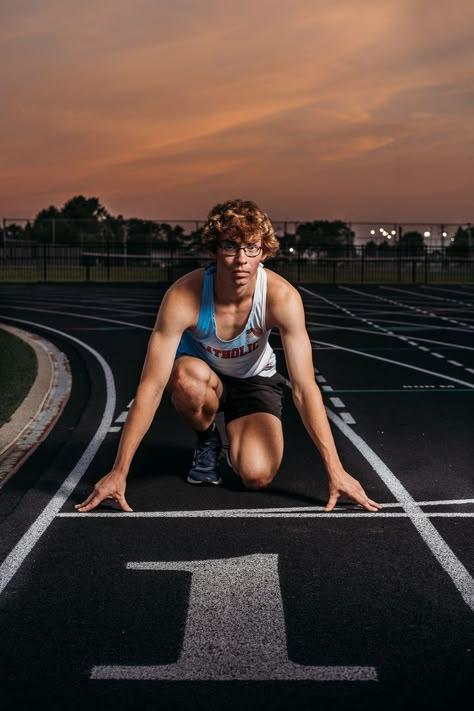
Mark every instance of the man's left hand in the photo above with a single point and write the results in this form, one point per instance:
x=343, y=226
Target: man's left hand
x=343, y=484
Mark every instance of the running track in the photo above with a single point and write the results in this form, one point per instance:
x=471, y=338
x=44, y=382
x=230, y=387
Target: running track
x=209, y=597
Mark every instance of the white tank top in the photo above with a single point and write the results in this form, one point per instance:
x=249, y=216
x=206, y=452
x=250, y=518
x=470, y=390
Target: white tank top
x=244, y=356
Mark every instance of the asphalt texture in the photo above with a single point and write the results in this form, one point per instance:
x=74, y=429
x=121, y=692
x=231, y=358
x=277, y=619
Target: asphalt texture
x=206, y=598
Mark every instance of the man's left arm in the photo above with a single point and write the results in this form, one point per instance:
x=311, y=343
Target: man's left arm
x=287, y=314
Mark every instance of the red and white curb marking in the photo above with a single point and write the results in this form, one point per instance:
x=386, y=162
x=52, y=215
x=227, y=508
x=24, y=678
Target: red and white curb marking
x=49, y=408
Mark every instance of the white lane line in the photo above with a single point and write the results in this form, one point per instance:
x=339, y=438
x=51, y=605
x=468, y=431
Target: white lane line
x=460, y=576
x=396, y=362
x=224, y=513
x=14, y=560
x=386, y=333
x=251, y=513
x=346, y=416
x=448, y=293
x=431, y=296
x=84, y=316
x=439, y=502
x=121, y=418
x=364, y=320
x=416, y=309
x=456, y=363
x=81, y=305
x=446, y=502
x=427, y=387
x=391, y=323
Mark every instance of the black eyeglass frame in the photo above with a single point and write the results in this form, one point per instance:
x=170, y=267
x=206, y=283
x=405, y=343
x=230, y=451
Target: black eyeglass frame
x=231, y=249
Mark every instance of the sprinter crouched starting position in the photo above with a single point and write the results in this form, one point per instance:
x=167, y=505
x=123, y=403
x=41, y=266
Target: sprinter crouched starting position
x=210, y=349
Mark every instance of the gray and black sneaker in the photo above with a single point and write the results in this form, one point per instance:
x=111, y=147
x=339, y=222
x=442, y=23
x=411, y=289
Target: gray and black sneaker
x=205, y=466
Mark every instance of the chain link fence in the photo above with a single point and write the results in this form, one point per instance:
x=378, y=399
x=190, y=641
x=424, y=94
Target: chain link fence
x=59, y=263
x=153, y=251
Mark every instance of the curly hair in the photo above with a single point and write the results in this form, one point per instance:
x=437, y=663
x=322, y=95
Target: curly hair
x=239, y=220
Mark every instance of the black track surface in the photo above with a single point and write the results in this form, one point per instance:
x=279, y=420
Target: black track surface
x=363, y=590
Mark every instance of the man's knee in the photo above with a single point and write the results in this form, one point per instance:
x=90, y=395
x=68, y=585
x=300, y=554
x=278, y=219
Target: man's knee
x=186, y=369
x=255, y=484
x=256, y=479
x=190, y=378
x=193, y=390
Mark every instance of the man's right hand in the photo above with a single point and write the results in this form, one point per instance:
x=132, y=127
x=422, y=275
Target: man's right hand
x=111, y=486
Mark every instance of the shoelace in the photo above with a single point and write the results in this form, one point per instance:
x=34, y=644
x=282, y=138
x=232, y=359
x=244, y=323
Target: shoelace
x=207, y=454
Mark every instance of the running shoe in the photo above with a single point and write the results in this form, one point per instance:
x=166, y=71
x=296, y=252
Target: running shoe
x=205, y=466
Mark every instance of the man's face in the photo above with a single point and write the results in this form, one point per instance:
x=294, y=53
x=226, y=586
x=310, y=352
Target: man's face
x=240, y=259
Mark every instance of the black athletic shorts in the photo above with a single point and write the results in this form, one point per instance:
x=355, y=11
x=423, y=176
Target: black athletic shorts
x=246, y=396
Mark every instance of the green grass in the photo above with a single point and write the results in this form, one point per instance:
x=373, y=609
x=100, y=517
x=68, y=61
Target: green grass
x=18, y=368
x=372, y=272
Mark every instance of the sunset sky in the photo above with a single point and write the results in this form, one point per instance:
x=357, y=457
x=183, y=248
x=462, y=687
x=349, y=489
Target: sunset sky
x=316, y=109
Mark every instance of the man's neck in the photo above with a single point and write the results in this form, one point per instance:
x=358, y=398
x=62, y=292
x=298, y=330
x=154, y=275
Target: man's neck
x=227, y=292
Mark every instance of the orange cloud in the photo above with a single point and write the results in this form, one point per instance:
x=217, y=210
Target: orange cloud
x=166, y=107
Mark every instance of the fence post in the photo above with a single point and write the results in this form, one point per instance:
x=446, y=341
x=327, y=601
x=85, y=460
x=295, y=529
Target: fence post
x=362, y=260
x=108, y=261
x=413, y=271
x=171, y=264
x=45, y=263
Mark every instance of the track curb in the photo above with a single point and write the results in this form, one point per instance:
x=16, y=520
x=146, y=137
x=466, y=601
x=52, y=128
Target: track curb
x=37, y=414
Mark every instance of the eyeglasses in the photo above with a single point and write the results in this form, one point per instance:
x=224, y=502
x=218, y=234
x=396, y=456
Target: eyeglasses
x=230, y=249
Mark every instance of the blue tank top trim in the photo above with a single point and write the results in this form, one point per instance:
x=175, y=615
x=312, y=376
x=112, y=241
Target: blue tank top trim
x=247, y=354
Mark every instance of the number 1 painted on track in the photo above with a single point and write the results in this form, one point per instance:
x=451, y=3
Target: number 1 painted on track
x=235, y=628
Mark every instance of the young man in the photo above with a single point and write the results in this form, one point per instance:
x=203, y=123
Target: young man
x=210, y=349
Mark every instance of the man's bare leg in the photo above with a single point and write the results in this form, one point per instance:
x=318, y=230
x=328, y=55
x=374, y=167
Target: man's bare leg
x=255, y=441
x=256, y=448
x=195, y=391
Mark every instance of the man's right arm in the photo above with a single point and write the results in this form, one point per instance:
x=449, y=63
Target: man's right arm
x=177, y=312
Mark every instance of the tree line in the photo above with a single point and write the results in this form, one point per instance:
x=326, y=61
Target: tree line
x=85, y=222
